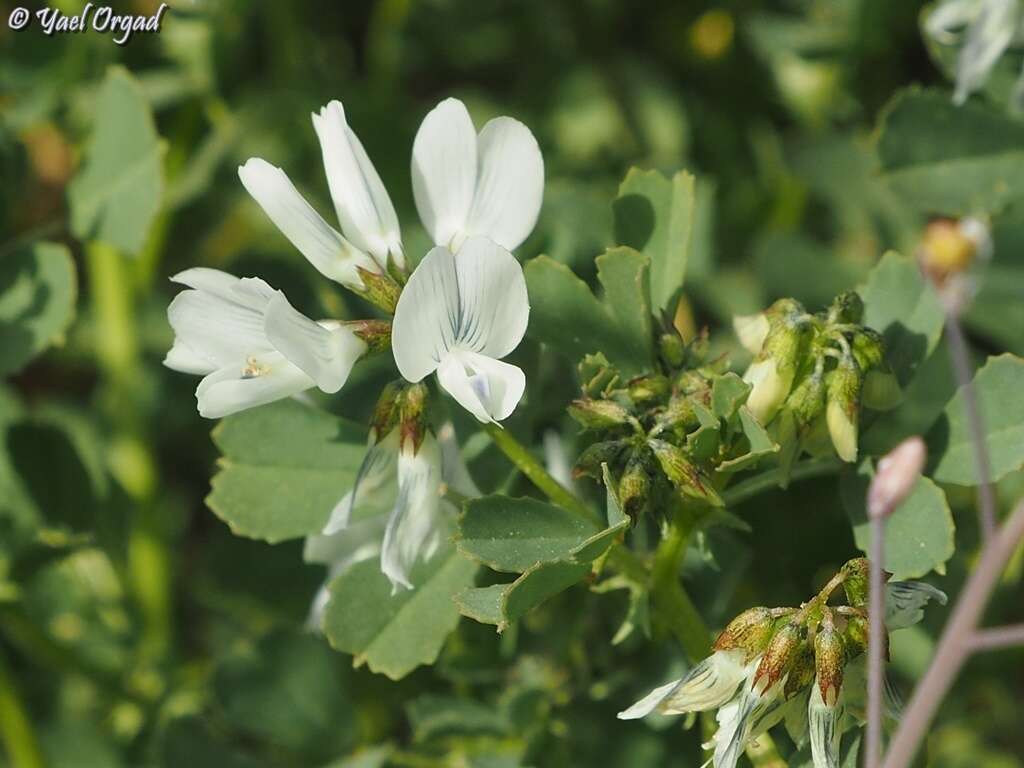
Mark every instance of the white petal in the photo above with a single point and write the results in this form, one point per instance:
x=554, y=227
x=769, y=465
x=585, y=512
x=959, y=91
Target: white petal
x=823, y=722
x=331, y=254
x=751, y=330
x=454, y=469
x=426, y=316
x=217, y=329
x=734, y=720
x=358, y=541
x=364, y=209
x=377, y=472
x=708, y=685
x=949, y=17
x=905, y=602
x=209, y=280
x=444, y=169
x=181, y=358
x=493, y=302
x=415, y=515
x=235, y=388
x=509, y=185
x=648, y=703
x=487, y=388
x=989, y=35
x=327, y=356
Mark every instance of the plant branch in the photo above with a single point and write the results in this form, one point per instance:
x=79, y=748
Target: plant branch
x=997, y=638
x=962, y=369
x=674, y=605
x=955, y=644
x=876, y=631
x=769, y=480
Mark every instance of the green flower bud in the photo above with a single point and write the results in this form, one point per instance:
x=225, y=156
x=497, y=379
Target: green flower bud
x=644, y=389
x=801, y=673
x=807, y=400
x=856, y=576
x=634, y=487
x=855, y=635
x=844, y=385
x=750, y=632
x=868, y=349
x=829, y=657
x=772, y=372
x=672, y=349
x=380, y=289
x=683, y=474
x=782, y=652
x=604, y=452
x=752, y=330
x=375, y=333
x=598, y=414
x=846, y=308
x=386, y=411
x=412, y=407
x=679, y=416
x=596, y=374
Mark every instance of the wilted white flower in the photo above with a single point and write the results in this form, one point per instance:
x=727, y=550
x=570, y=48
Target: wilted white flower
x=458, y=316
x=468, y=185
x=251, y=345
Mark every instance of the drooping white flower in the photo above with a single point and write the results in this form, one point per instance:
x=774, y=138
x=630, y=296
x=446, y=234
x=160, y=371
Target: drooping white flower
x=459, y=316
x=467, y=184
x=708, y=685
x=905, y=602
x=251, y=345
x=824, y=728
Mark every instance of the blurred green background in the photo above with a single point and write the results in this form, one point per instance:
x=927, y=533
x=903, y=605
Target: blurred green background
x=135, y=629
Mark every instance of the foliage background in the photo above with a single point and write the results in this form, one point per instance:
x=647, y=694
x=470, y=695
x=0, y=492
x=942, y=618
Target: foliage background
x=137, y=630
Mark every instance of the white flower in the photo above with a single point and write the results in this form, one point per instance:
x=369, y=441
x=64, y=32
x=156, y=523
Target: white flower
x=824, y=726
x=769, y=387
x=752, y=330
x=459, y=316
x=905, y=602
x=466, y=184
x=368, y=220
x=251, y=345
x=396, y=495
x=708, y=685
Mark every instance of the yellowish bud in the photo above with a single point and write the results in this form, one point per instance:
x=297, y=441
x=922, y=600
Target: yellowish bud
x=895, y=477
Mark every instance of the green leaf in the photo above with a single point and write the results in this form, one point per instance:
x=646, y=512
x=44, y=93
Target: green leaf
x=512, y=535
x=284, y=467
x=948, y=159
x=919, y=535
x=654, y=215
x=482, y=604
x=728, y=393
x=116, y=195
x=900, y=305
x=395, y=633
x=192, y=742
x=434, y=717
x=566, y=315
x=759, y=444
x=538, y=584
x=997, y=386
x=624, y=275
x=703, y=442
x=290, y=691
x=37, y=302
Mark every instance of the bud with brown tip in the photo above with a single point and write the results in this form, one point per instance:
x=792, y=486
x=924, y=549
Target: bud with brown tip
x=783, y=650
x=598, y=414
x=750, y=632
x=829, y=657
x=684, y=474
x=604, y=452
x=896, y=476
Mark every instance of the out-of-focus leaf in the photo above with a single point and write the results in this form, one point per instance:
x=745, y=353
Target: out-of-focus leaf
x=290, y=691
x=435, y=717
x=116, y=195
x=37, y=302
x=565, y=314
x=948, y=159
x=395, y=633
x=284, y=467
x=919, y=535
x=998, y=386
x=900, y=305
x=793, y=265
x=654, y=215
x=189, y=741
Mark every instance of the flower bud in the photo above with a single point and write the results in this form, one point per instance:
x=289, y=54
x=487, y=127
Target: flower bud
x=386, y=411
x=678, y=416
x=807, y=400
x=829, y=657
x=751, y=330
x=596, y=374
x=843, y=386
x=846, y=308
x=598, y=414
x=644, y=389
x=634, y=487
x=856, y=576
x=801, y=673
x=881, y=390
x=750, y=632
x=589, y=462
x=895, y=477
x=855, y=635
x=683, y=474
x=782, y=652
x=672, y=349
x=412, y=408
x=772, y=372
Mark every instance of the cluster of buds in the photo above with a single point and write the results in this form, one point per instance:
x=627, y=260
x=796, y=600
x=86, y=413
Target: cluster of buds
x=645, y=427
x=803, y=667
x=812, y=374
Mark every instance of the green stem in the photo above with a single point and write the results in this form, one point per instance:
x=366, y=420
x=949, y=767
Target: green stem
x=753, y=486
x=16, y=730
x=673, y=603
